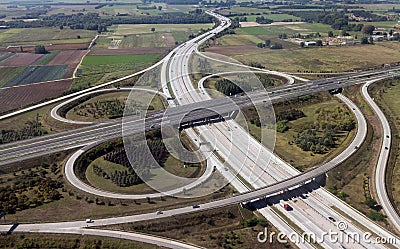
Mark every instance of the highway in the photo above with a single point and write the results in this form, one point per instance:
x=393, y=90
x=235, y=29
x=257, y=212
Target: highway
x=239, y=152
x=380, y=171
x=45, y=145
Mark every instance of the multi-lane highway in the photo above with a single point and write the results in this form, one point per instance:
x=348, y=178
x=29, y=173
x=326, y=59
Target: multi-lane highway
x=15, y=152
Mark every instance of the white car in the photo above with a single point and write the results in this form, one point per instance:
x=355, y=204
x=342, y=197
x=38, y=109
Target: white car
x=89, y=221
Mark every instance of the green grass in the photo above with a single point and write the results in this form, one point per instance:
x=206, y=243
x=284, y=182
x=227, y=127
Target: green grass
x=93, y=60
x=47, y=58
x=287, y=29
x=106, y=184
x=8, y=73
x=275, y=17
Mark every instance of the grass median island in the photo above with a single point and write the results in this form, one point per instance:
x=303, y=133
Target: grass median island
x=111, y=105
x=107, y=166
x=73, y=204
x=310, y=129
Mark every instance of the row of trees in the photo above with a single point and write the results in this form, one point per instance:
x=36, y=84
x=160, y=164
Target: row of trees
x=92, y=21
x=108, y=108
x=31, y=129
x=121, y=178
x=228, y=88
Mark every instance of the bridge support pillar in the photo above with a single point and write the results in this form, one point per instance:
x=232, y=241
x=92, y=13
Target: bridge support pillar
x=321, y=179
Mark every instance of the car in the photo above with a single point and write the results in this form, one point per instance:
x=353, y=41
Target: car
x=89, y=221
x=387, y=136
x=159, y=212
x=386, y=148
x=356, y=147
x=196, y=206
x=331, y=219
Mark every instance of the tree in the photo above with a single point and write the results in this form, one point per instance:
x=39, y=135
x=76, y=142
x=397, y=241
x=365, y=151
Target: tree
x=302, y=44
x=368, y=29
x=267, y=43
x=364, y=40
x=78, y=37
x=330, y=34
x=40, y=49
x=371, y=40
x=61, y=27
x=319, y=43
x=153, y=29
x=260, y=45
x=160, y=8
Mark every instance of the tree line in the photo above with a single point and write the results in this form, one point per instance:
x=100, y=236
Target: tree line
x=31, y=129
x=92, y=21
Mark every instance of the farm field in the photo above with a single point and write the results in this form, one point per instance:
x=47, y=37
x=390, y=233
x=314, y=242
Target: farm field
x=121, y=51
x=140, y=35
x=34, y=74
x=43, y=36
x=288, y=29
x=92, y=60
x=331, y=59
x=97, y=69
x=21, y=59
x=17, y=97
x=8, y=73
x=70, y=58
x=134, y=29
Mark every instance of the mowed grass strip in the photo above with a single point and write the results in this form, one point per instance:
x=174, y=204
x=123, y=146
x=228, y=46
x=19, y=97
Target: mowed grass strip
x=92, y=60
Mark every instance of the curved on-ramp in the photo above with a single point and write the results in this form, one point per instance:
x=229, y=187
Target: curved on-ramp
x=380, y=171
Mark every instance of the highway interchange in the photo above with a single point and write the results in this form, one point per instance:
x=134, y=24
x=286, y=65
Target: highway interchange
x=273, y=175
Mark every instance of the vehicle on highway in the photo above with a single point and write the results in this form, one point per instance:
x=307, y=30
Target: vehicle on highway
x=89, y=221
x=159, y=212
x=287, y=207
x=196, y=206
x=331, y=219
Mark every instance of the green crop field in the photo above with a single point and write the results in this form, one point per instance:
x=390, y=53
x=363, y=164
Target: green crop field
x=8, y=73
x=287, y=29
x=275, y=17
x=44, y=35
x=118, y=59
